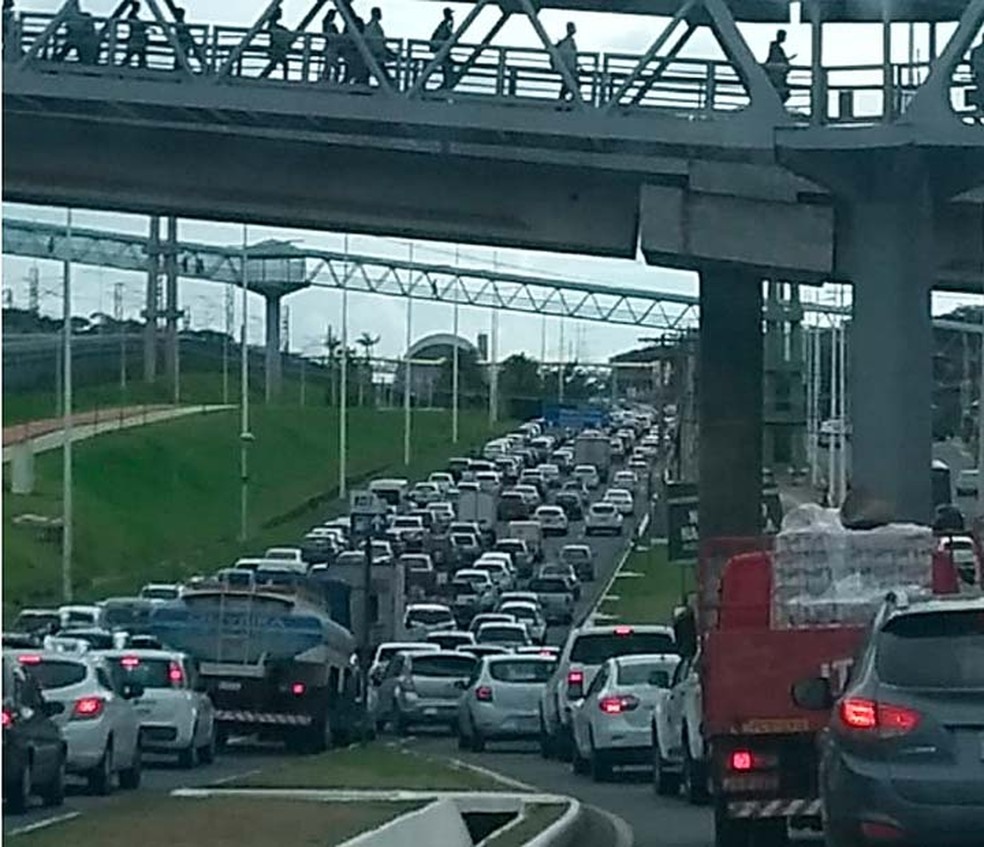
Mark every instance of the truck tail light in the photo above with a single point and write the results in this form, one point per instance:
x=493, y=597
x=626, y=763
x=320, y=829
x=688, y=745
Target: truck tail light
x=483, y=693
x=617, y=705
x=888, y=721
x=87, y=708
x=298, y=689
x=8, y=718
x=741, y=760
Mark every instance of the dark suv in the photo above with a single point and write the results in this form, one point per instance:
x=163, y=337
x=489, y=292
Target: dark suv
x=33, y=746
x=902, y=760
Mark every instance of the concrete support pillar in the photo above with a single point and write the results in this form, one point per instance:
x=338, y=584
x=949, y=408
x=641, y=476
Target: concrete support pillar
x=772, y=371
x=797, y=377
x=273, y=365
x=150, y=312
x=172, y=312
x=890, y=369
x=730, y=404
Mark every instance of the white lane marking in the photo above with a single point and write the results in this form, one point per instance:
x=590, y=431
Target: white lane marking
x=495, y=775
x=34, y=827
x=234, y=776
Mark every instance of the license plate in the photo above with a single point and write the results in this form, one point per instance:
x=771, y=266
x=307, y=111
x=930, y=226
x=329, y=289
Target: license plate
x=226, y=685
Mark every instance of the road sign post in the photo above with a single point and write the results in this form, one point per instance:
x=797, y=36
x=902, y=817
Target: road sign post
x=368, y=516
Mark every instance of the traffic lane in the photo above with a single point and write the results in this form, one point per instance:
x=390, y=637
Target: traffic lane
x=655, y=821
x=161, y=775
x=959, y=458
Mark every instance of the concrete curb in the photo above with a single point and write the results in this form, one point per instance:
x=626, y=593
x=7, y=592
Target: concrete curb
x=624, y=836
x=562, y=832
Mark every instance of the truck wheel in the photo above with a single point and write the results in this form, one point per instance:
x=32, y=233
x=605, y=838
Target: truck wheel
x=694, y=778
x=546, y=742
x=730, y=832
x=18, y=796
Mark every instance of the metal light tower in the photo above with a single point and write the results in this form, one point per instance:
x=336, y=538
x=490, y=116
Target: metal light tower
x=67, y=434
x=245, y=436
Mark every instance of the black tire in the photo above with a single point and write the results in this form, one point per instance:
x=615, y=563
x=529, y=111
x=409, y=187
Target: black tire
x=730, y=832
x=221, y=738
x=694, y=778
x=464, y=742
x=564, y=744
x=100, y=778
x=601, y=766
x=547, y=750
x=665, y=783
x=206, y=753
x=130, y=777
x=400, y=725
x=477, y=741
x=579, y=765
x=186, y=756
x=20, y=792
x=53, y=794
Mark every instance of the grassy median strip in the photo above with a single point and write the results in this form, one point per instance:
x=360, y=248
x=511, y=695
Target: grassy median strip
x=156, y=821
x=537, y=818
x=656, y=588
x=375, y=766
x=161, y=502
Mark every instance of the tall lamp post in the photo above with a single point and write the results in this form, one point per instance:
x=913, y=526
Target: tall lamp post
x=245, y=436
x=67, y=515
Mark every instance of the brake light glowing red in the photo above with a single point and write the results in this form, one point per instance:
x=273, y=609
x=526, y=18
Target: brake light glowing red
x=858, y=713
x=575, y=677
x=298, y=688
x=483, y=693
x=8, y=719
x=175, y=674
x=130, y=662
x=881, y=831
x=623, y=630
x=614, y=705
x=88, y=707
x=29, y=659
x=741, y=760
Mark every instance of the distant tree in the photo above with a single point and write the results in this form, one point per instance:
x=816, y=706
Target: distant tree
x=520, y=387
x=367, y=342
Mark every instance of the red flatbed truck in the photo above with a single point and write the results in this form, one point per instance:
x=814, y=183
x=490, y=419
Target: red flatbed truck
x=762, y=760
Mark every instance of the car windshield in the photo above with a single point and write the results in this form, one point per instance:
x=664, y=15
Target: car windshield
x=96, y=640
x=525, y=670
x=596, y=648
x=407, y=523
x=443, y=666
x=54, y=673
x=933, y=650
x=642, y=673
x=549, y=586
x=428, y=617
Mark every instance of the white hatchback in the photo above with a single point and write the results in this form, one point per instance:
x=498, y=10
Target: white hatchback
x=603, y=517
x=176, y=714
x=96, y=716
x=622, y=499
x=587, y=475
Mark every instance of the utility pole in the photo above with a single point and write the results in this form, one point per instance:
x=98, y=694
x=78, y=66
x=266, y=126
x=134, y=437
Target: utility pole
x=150, y=310
x=407, y=411
x=494, y=370
x=230, y=309
x=560, y=364
x=121, y=331
x=67, y=513
x=245, y=436
x=455, y=357
x=343, y=401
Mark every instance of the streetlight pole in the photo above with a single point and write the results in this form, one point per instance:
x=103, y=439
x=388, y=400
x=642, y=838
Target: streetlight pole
x=560, y=364
x=454, y=375
x=842, y=404
x=67, y=516
x=343, y=400
x=980, y=426
x=244, y=435
x=832, y=448
x=406, y=381
x=494, y=371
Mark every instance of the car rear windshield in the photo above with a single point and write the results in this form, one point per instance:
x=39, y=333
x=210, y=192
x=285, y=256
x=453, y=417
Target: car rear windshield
x=443, y=666
x=641, y=673
x=573, y=554
x=603, y=508
x=526, y=670
x=150, y=673
x=933, y=650
x=52, y=674
x=126, y=616
x=549, y=586
x=598, y=648
x=493, y=633
x=429, y=616
x=36, y=620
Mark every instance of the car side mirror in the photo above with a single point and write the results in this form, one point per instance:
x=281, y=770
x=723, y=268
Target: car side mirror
x=813, y=694
x=132, y=691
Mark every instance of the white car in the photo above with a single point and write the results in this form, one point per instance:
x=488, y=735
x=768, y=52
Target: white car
x=97, y=718
x=622, y=499
x=388, y=649
x=160, y=591
x=603, y=517
x=550, y=473
x=503, y=634
x=423, y=618
x=530, y=615
x=488, y=481
x=285, y=554
x=497, y=569
x=626, y=479
x=587, y=475
x=425, y=492
x=519, y=597
x=529, y=493
x=552, y=519
x=176, y=715
x=81, y=616
x=443, y=480
x=612, y=724
x=678, y=746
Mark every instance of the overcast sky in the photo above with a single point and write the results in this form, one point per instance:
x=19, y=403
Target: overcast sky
x=312, y=311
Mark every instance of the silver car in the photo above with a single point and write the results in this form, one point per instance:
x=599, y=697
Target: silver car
x=501, y=700
x=424, y=688
x=529, y=614
x=503, y=634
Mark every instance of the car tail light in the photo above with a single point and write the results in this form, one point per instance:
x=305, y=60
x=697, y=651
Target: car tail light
x=741, y=760
x=623, y=630
x=298, y=688
x=861, y=714
x=881, y=831
x=29, y=659
x=616, y=705
x=175, y=674
x=8, y=718
x=87, y=708
x=130, y=662
x=483, y=693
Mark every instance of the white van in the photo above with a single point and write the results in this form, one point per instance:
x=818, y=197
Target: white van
x=393, y=492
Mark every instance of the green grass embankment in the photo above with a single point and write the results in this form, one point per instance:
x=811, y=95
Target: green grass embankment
x=649, y=588
x=162, y=502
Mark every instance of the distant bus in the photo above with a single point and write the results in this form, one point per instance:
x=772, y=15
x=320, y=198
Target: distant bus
x=942, y=484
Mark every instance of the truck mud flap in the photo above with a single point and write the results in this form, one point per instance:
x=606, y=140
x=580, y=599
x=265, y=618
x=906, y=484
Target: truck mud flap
x=773, y=808
x=262, y=718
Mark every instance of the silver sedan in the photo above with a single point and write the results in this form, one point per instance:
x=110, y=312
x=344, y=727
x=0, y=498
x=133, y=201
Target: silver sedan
x=502, y=700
